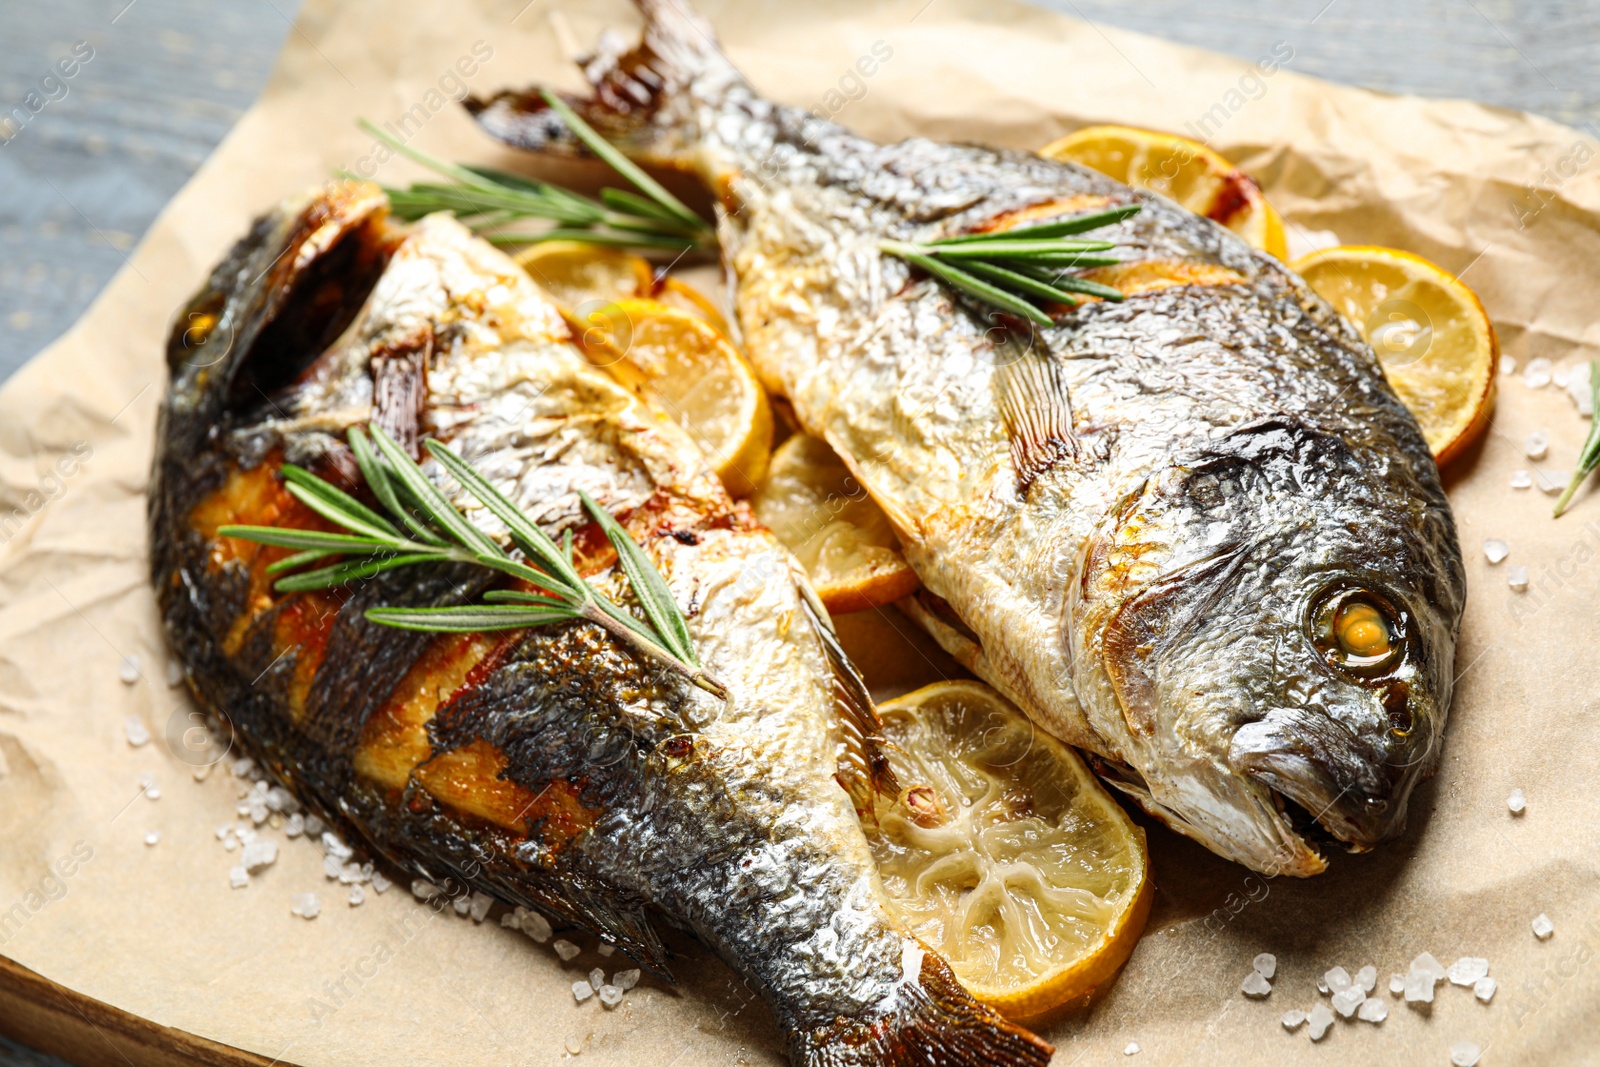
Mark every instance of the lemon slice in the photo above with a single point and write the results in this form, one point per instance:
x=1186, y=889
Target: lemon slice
x=1182, y=170
x=820, y=512
x=1003, y=854
x=696, y=376
x=1436, y=344
x=675, y=292
x=575, y=273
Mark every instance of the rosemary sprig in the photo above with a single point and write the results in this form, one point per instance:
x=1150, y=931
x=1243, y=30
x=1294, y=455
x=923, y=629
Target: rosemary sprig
x=435, y=532
x=1589, y=456
x=1014, y=270
x=490, y=201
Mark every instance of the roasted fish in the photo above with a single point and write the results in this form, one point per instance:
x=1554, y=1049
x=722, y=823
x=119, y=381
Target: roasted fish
x=1193, y=532
x=547, y=767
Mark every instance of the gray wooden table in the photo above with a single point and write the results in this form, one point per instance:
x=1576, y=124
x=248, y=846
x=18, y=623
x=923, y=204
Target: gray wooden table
x=83, y=178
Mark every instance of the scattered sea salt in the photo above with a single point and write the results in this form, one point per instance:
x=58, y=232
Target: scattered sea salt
x=1428, y=963
x=1322, y=986
x=1508, y=364
x=1347, y=1000
x=305, y=905
x=258, y=854
x=582, y=991
x=380, y=882
x=1467, y=970
x=626, y=980
x=1521, y=479
x=1464, y=1054
x=461, y=904
x=1517, y=802
x=1337, y=979
x=566, y=949
x=314, y=826
x=1542, y=926
x=1292, y=1019
x=1372, y=1010
x=1536, y=375
x=238, y=877
x=1397, y=984
x=421, y=888
x=152, y=837
x=357, y=896
x=334, y=845
x=295, y=826
x=1266, y=964
x=1537, y=444
x=1517, y=578
x=610, y=995
x=230, y=844
x=1131, y=1049
x=242, y=767
x=606, y=948
x=1553, y=482
x=1484, y=989
x=1496, y=550
x=1367, y=978
x=174, y=674
x=597, y=978
x=1419, y=987
x=1579, y=390
x=1254, y=985
x=1320, y=1019
x=332, y=868
x=152, y=792
x=536, y=926
x=129, y=670
x=479, y=909
x=1559, y=375
x=135, y=731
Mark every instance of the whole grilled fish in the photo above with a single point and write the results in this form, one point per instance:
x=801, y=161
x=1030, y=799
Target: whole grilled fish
x=546, y=767
x=1193, y=533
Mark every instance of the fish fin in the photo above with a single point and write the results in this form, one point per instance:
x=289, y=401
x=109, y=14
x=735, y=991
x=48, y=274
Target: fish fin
x=932, y=1020
x=400, y=388
x=1146, y=621
x=863, y=768
x=644, y=95
x=1036, y=406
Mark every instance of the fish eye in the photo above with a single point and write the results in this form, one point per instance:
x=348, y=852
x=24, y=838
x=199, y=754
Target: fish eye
x=1358, y=631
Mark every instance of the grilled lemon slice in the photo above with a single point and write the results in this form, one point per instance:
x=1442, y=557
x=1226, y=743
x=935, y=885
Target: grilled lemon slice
x=1183, y=170
x=1435, y=341
x=576, y=273
x=823, y=515
x=1002, y=852
x=695, y=375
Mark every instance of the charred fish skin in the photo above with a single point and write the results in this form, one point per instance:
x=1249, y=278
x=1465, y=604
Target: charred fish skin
x=546, y=767
x=1134, y=523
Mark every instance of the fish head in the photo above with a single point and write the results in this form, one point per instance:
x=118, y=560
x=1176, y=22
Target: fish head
x=1280, y=649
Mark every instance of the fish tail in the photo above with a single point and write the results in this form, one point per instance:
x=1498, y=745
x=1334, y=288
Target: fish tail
x=934, y=1023
x=648, y=97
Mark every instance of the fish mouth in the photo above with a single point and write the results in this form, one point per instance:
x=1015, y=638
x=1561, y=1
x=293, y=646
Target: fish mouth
x=1327, y=781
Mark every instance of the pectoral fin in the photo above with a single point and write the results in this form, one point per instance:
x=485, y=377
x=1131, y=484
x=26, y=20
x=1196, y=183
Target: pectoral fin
x=1037, y=409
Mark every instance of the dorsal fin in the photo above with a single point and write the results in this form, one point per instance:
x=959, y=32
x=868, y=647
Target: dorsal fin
x=1036, y=407
x=863, y=768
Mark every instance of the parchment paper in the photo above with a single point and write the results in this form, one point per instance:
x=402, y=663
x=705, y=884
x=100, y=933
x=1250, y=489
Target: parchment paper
x=1509, y=200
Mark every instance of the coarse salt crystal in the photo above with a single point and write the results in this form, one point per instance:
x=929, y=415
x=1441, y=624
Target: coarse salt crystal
x=1553, y=481
x=380, y=882
x=1347, y=1000
x=1495, y=550
x=421, y=888
x=1484, y=989
x=1579, y=389
x=1338, y=979
x=238, y=877
x=1536, y=375
x=224, y=830
x=1266, y=964
x=1517, y=802
x=230, y=844
x=1559, y=375
x=295, y=826
x=626, y=980
x=357, y=896
x=1542, y=926
x=305, y=905
x=1322, y=986
x=606, y=948
x=332, y=868
x=1131, y=1049
x=1320, y=1019
x=152, y=837
x=610, y=995
x=1397, y=984
x=1367, y=978
x=566, y=949
x=1508, y=364
x=314, y=826
x=582, y=991
x=1372, y=1010
x=134, y=730
x=1419, y=987
x=1428, y=963
x=461, y=904
x=536, y=926
x=334, y=845
x=258, y=854
x=1293, y=1019
x=1255, y=985
x=479, y=908
x=1467, y=970
x=128, y=671
x=1464, y=1054
x=174, y=674
x=1517, y=578
x=152, y=792
x=1537, y=444
x=242, y=767
x=1521, y=479
x=597, y=978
